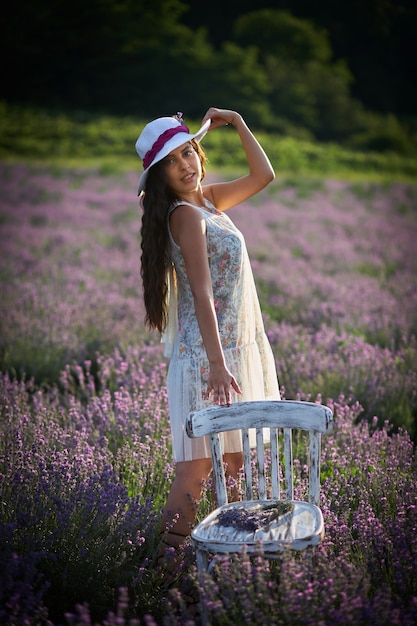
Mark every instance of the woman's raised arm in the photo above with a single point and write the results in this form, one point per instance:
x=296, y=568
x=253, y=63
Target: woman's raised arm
x=228, y=194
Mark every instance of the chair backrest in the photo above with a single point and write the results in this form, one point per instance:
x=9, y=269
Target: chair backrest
x=280, y=417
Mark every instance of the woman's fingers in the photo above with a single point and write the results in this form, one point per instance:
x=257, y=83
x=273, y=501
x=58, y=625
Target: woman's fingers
x=236, y=386
x=222, y=392
x=219, y=117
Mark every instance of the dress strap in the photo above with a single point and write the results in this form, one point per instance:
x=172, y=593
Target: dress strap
x=177, y=203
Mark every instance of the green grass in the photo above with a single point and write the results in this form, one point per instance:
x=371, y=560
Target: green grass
x=107, y=144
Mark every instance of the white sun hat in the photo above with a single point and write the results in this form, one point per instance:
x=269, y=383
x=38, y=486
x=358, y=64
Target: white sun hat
x=160, y=137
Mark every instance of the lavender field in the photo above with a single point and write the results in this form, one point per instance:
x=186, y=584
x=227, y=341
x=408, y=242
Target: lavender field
x=85, y=446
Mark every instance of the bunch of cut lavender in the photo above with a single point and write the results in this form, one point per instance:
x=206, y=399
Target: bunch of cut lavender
x=256, y=517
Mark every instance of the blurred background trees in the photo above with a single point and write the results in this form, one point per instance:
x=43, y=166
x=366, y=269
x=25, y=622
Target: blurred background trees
x=326, y=71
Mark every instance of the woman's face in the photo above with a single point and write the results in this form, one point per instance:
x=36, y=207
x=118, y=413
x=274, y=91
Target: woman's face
x=183, y=170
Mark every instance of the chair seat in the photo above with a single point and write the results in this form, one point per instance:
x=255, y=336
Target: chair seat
x=277, y=524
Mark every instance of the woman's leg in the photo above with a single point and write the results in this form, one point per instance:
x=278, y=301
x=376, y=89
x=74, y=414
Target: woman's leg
x=184, y=497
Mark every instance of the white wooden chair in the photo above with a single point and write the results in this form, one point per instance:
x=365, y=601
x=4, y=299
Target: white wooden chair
x=264, y=522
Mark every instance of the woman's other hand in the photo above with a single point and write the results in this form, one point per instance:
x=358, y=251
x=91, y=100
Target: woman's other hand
x=221, y=117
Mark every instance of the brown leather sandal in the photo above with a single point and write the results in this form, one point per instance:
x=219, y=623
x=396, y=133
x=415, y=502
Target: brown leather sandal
x=169, y=556
x=166, y=533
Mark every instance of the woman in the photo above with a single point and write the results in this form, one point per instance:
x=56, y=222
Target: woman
x=199, y=291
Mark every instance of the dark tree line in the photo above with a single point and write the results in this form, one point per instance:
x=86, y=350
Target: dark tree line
x=378, y=39
x=330, y=71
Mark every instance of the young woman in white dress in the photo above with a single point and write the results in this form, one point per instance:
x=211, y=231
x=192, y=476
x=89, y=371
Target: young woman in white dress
x=199, y=293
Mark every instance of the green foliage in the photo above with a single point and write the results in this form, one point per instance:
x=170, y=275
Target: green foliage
x=107, y=142
x=382, y=133
x=238, y=73
x=143, y=59
x=309, y=89
x=278, y=33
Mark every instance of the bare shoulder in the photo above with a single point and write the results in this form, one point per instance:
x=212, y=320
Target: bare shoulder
x=186, y=221
x=184, y=213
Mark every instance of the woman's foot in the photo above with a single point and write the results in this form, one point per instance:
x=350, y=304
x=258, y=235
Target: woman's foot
x=170, y=555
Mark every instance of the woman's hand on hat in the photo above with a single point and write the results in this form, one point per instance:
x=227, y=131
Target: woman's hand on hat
x=220, y=117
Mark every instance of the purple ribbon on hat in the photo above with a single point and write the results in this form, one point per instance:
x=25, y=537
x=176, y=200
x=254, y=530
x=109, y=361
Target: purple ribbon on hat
x=160, y=142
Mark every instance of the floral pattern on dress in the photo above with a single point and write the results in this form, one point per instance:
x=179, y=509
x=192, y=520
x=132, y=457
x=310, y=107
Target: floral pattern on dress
x=246, y=347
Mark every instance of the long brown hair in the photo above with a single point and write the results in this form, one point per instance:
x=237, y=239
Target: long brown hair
x=155, y=244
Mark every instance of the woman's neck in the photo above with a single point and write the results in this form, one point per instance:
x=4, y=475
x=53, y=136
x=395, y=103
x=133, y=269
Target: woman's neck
x=195, y=197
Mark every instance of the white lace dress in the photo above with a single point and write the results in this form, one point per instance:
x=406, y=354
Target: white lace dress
x=246, y=347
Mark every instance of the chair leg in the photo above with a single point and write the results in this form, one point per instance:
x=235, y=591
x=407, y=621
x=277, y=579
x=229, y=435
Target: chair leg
x=202, y=568
x=309, y=562
x=202, y=563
